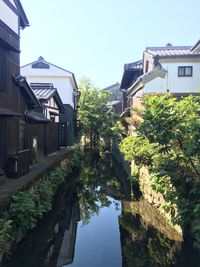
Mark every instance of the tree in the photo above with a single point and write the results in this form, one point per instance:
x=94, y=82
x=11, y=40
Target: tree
x=98, y=122
x=167, y=141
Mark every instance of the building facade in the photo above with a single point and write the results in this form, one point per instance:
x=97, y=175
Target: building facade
x=15, y=100
x=43, y=72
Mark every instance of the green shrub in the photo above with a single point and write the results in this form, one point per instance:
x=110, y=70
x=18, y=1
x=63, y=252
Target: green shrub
x=27, y=207
x=167, y=141
x=5, y=232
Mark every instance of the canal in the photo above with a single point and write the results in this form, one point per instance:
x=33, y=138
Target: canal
x=96, y=223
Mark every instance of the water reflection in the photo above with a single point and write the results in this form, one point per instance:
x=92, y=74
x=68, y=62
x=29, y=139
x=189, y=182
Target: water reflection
x=96, y=183
x=98, y=236
x=143, y=245
x=42, y=246
x=94, y=224
x=147, y=240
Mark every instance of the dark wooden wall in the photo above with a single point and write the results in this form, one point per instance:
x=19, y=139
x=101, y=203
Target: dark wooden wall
x=38, y=131
x=52, y=137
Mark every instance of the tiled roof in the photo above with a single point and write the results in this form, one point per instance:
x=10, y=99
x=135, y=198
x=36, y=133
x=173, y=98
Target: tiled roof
x=169, y=51
x=8, y=112
x=111, y=86
x=196, y=48
x=148, y=76
x=43, y=90
x=134, y=65
x=36, y=116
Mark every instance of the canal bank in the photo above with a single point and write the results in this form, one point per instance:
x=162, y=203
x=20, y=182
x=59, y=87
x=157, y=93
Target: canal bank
x=94, y=223
x=27, y=199
x=36, y=172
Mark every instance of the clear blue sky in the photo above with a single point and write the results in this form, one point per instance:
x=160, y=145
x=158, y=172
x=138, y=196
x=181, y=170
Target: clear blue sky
x=95, y=38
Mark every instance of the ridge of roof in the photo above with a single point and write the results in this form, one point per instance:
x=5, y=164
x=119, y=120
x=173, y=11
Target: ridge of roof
x=110, y=86
x=41, y=59
x=168, y=48
x=133, y=65
x=44, y=91
x=171, y=51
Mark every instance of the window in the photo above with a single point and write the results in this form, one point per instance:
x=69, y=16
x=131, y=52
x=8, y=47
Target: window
x=147, y=66
x=185, y=71
x=40, y=65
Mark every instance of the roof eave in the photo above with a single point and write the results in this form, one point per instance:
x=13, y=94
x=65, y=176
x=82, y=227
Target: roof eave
x=23, y=18
x=196, y=45
x=22, y=83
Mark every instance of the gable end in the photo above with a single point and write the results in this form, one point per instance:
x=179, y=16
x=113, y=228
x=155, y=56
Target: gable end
x=40, y=65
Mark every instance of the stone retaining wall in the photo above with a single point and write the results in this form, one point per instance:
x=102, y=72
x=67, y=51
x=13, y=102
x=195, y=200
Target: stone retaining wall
x=154, y=198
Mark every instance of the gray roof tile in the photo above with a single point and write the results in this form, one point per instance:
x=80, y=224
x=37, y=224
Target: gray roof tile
x=134, y=65
x=168, y=51
x=43, y=90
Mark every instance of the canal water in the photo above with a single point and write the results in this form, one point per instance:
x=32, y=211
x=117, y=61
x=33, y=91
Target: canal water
x=96, y=223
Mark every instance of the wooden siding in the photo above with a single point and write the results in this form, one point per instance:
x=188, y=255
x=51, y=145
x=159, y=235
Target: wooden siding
x=8, y=38
x=52, y=137
x=37, y=131
x=3, y=140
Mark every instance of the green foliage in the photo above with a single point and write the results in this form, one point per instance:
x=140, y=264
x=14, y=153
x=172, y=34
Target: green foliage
x=27, y=207
x=98, y=122
x=139, y=149
x=148, y=247
x=93, y=183
x=43, y=197
x=23, y=212
x=5, y=232
x=167, y=140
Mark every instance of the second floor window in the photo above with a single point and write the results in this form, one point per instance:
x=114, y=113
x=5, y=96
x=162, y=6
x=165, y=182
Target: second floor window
x=185, y=71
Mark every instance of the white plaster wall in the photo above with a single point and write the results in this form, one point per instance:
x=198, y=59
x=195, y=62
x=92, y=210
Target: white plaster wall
x=52, y=71
x=57, y=118
x=9, y=17
x=174, y=83
x=62, y=84
x=60, y=78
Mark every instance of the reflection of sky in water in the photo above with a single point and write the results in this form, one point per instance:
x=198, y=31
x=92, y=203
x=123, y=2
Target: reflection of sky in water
x=98, y=243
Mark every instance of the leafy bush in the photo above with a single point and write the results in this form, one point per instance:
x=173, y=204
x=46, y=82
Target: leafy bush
x=167, y=141
x=5, y=232
x=27, y=207
x=23, y=212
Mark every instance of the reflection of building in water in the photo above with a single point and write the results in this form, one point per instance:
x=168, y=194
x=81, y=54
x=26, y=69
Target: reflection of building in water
x=66, y=255
x=61, y=251
x=146, y=238
x=41, y=247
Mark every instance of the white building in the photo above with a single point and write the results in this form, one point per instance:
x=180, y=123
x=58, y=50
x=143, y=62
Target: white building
x=12, y=14
x=174, y=69
x=41, y=71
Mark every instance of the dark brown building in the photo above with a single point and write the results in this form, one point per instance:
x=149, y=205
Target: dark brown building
x=16, y=98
